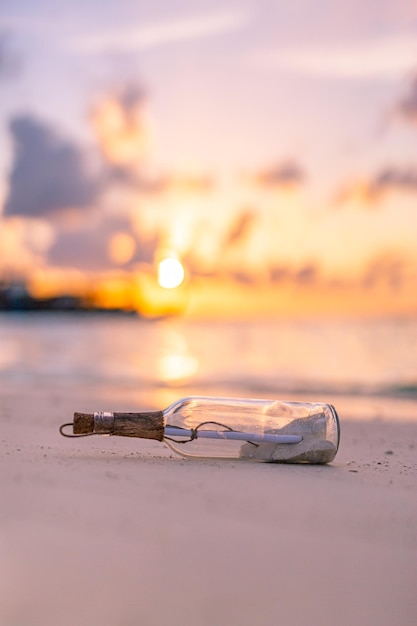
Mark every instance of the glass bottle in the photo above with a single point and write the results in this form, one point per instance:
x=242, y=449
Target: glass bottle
x=197, y=426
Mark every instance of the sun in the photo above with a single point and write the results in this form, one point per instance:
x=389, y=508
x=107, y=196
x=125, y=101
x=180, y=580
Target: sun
x=170, y=273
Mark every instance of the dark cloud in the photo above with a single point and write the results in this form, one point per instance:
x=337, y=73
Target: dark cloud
x=390, y=268
x=279, y=273
x=285, y=174
x=241, y=228
x=407, y=107
x=88, y=248
x=392, y=178
x=302, y=276
x=374, y=190
x=244, y=278
x=84, y=248
x=48, y=172
x=307, y=275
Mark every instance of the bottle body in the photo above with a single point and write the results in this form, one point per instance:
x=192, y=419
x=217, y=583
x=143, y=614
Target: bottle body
x=263, y=430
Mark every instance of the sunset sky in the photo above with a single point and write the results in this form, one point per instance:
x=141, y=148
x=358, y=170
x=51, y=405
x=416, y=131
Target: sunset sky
x=269, y=146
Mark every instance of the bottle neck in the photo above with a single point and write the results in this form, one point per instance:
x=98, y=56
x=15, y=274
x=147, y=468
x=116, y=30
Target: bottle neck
x=145, y=424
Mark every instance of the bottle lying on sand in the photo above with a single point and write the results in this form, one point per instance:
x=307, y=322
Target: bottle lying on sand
x=262, y=430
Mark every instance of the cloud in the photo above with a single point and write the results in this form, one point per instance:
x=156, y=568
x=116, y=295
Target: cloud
x=307, y=274
x=392, y=178
x=302, y=276
x=391, y=268
x=48, y=172
x=279, y=273
x=285, y=174
x=173, y=30
x=161, y=183
x=388, y=268
x=23, y=244
x=121, y=127
x=386, y=57
x=373, y=191
x=243, y=277
x=407, y=108
x=241, y=229
x=90, y=248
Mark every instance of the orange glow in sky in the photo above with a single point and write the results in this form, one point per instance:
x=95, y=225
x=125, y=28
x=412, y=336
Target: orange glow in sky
x=258, y=160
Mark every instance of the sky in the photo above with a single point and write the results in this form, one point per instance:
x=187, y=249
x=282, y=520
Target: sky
x=270, y=147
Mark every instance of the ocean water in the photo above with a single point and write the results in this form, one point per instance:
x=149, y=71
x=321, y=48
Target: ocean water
x=366, y=368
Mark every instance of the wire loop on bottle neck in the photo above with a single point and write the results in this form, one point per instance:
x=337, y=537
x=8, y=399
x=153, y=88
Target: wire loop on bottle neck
x=194, y=432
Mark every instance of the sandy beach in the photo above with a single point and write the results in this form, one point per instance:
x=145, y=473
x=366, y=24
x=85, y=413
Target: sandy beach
x=120, y=532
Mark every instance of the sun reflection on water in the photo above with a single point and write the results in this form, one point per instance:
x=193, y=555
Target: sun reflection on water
x=176, y=364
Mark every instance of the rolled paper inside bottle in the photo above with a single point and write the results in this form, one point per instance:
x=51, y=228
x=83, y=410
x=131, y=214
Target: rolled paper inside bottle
x=145, y=425
x=232, y=435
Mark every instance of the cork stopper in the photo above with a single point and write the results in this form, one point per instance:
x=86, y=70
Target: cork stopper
x=146, y=425
x=83, y=423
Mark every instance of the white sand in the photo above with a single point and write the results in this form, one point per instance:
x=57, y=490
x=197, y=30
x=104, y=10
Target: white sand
x=119, y=532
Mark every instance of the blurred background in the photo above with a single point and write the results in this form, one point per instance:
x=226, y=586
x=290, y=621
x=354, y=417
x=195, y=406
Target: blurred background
x=232, y=181
x=252, y=157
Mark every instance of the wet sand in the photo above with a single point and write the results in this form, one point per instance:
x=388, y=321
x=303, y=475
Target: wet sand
x=120, y=532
